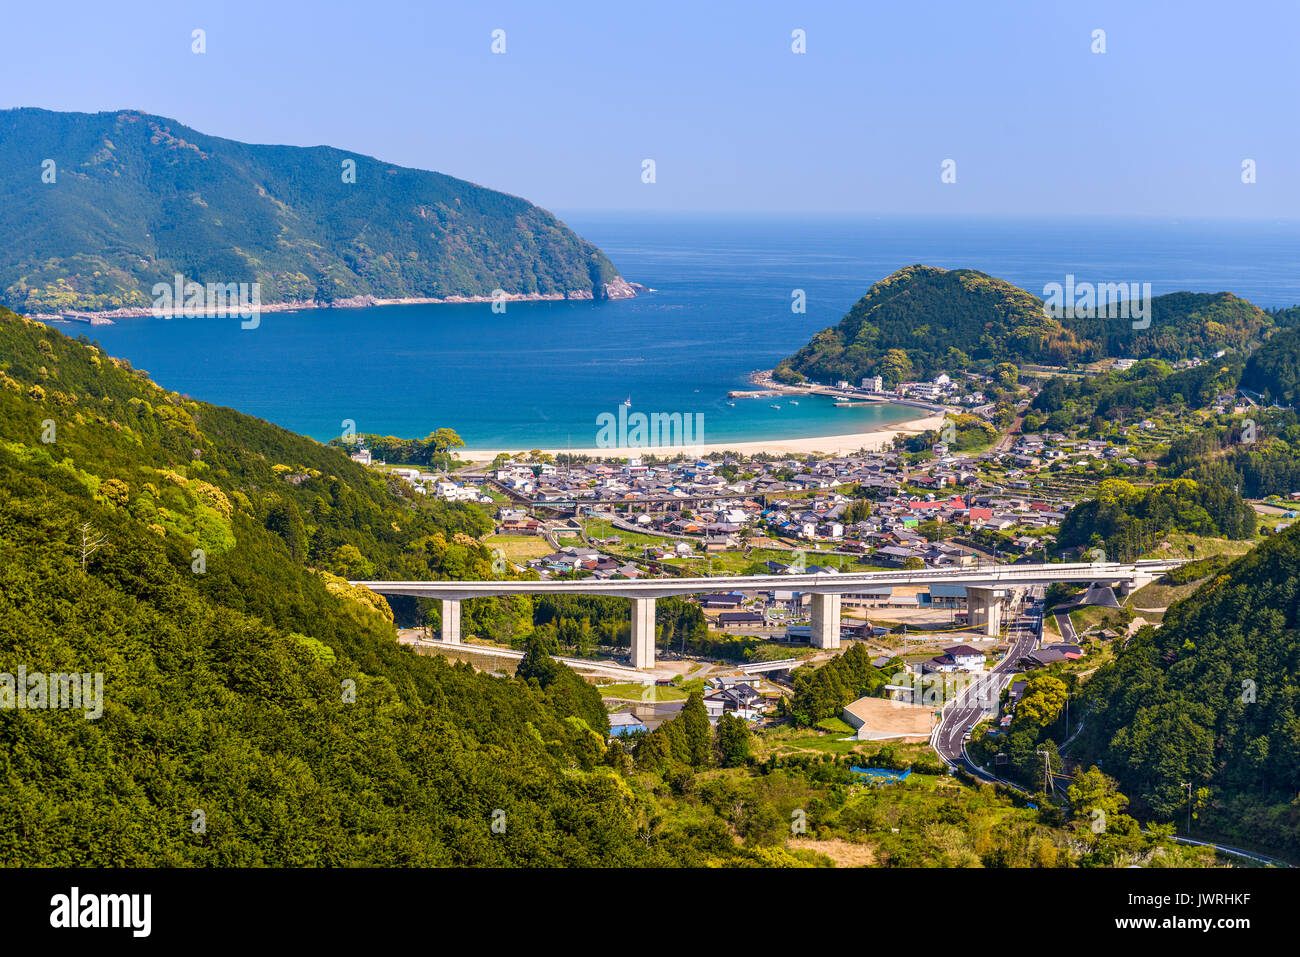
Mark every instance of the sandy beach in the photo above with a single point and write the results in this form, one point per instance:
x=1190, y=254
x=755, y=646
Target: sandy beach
x=873, y=440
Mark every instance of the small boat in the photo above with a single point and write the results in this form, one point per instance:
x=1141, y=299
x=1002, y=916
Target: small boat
x=732, y=404
x=794, y=401
x=775, y=407
x=628, y=402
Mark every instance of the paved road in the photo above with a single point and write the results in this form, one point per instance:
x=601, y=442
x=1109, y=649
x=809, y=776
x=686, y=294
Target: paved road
x=1066, y=628
x=1000, y=576
x=950, y=736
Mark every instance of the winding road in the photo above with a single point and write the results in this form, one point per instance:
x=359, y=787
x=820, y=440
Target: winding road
x=949, y=737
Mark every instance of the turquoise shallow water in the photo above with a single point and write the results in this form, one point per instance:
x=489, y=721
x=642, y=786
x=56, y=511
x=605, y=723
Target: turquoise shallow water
x=539, y=375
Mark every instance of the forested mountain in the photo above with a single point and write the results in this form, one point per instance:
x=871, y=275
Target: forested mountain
x=135, y=199
x=922, y=320
x=1184, y=325
x=256, y=709
x=1273, y=370
x=1212, y=697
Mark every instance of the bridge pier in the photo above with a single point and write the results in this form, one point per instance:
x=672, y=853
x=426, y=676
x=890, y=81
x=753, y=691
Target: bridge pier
x=451, y=620
x=825, y=621
x=1129, y=585
x=984, y=609
x=643, y=632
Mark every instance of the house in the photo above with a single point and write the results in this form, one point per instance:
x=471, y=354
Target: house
x=1041, y=658
x=732, y=681
x=732, y=600
x=1051, y=655
x=520, y=526
x=740, y=619
x=956, y=658
x=896, y=555
x=623, y=723
x=741, y=700
x=939, y=664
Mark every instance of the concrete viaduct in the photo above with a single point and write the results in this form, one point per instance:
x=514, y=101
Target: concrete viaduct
x=985, y=588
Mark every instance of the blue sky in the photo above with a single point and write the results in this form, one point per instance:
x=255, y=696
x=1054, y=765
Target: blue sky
x=1037, y=123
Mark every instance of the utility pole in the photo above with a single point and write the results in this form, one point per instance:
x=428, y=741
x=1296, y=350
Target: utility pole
x=1049, y=786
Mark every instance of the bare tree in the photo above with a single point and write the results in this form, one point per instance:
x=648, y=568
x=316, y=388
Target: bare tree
x=90, y=543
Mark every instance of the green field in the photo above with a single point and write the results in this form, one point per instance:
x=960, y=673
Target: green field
x=519, y=548
x=631, y=691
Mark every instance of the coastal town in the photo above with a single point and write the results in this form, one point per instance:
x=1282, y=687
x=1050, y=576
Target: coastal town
x=562, y=517
x=698, y=442
x=963, y=487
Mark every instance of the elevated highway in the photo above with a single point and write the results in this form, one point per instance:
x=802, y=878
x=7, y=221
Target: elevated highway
x=986, y=589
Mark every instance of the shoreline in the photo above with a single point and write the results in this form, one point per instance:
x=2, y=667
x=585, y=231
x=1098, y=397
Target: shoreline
x=872, y=440
x=619, y=289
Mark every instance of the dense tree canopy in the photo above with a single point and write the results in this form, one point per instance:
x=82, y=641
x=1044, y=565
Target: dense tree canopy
x=242, y=679
x=1124, y=521
x=921, y=320
x=1212, y=698
x=1273, y=370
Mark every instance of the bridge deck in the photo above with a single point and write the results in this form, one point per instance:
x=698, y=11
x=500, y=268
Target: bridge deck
x=989, y=576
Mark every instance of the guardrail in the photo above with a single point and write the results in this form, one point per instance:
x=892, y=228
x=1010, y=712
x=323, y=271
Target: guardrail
x=826, y=583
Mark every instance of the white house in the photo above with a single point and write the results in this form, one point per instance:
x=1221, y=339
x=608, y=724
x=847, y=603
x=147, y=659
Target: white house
x=966, y=657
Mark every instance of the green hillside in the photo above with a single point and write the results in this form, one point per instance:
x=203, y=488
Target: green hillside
x=1273, y=370
x=1124, y=520
x=226, y=687
x=1212, y=698
x=137, y=199
x=922, y=320
x=1183, y=325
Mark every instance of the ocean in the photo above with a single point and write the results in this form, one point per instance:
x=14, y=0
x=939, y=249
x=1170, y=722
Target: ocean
x=540, y=375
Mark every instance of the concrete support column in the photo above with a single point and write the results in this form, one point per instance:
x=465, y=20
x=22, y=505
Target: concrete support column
x=643, y=632
x=1129, y=585
x=985, y=610
x=825, y=621
x=451, y=620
